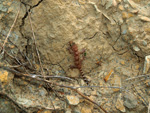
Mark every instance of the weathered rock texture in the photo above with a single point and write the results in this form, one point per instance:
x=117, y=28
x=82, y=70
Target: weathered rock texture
x=115, y=34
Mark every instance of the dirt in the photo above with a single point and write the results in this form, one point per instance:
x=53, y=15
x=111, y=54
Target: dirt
x=115, y=35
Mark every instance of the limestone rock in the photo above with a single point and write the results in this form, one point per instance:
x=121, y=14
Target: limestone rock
x=146, y=64
x=136, y=48
x=116, y=82
x=130, y=101
x=121, y=7
x=144, y=18
x=119, y=105
x=72, y=100
x=24, y=101
x=7, y=107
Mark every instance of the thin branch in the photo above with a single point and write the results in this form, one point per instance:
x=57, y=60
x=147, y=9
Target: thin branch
x=23, y=55
x=35, y=45
x=3, y=47
x=60, y=77
x=137, y=77
x=47, y=85
x=98, y=87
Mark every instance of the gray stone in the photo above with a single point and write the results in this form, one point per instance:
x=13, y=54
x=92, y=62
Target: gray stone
x=144, y=43
x=3, y=8
x=68, y=111
x=109, y=4
x=136, y=48
x=7, y=107
x=130, y=101
x=124, y=29
x=42, y=93
x=76, y=111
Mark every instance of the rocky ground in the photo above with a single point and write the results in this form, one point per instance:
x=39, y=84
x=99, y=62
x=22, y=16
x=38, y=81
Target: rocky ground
x=35, y=74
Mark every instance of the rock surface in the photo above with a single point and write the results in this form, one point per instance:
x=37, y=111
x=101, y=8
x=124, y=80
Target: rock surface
x=119, y=104
x=115, y=34
x=130, y=101
x=72, y=100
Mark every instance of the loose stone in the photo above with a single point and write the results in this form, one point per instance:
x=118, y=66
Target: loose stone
x=72, y=100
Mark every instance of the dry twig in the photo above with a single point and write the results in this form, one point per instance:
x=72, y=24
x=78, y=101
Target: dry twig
x=36, y=46
x=3, y=47
x=139, y=76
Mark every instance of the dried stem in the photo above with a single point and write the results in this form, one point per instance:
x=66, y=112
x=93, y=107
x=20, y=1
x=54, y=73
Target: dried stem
x=37, y=52
x=3, y=47
x=137, y=77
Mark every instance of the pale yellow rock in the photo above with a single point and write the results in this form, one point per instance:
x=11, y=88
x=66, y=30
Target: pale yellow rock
x=86, y=109
x=137, y=67
x=131, y=30
x=4, y=3
x=121, y=7
x=146, y=64
x=119, y=105
x=73, y=73
x=116, y=82
x=127, y=15
x=114, y=3
x=46, y=111
x=1, y=16
x=134, y=11
x=10, y=10
x=134, y=5
x=82, y=1
x=9, y=3
x=3, y=76
x=94, y=92
x=72, y=100
x=119, y=1
x=122, y=62
x=144, y=18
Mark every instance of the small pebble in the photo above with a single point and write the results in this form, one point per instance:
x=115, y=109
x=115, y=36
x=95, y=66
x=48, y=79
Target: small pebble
x=122, y=62
x=120, y=106
x=72, y=100
x=130, y=101
x=121, y=7
x=144, y=43
x=144, y=18
x=136, y=48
